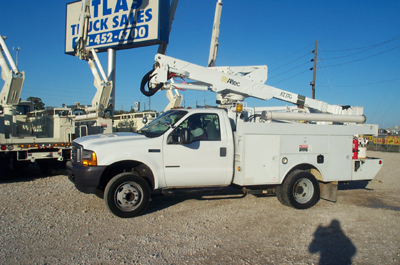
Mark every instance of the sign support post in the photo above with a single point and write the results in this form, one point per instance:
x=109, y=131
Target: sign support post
x=111, y=70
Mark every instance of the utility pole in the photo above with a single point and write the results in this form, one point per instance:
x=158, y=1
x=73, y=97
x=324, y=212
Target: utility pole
x=149, y=104
x=111, y=74
x=314, y=69
x=17, y=50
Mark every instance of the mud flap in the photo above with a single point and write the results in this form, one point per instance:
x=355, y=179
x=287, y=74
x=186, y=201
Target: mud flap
x=328, y=190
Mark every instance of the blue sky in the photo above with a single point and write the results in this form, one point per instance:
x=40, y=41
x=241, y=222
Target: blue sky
x=358, y=52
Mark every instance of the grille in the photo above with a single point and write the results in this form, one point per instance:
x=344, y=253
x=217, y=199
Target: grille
x=76, y=153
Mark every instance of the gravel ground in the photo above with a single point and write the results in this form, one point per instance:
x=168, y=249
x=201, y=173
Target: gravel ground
x=45, y=220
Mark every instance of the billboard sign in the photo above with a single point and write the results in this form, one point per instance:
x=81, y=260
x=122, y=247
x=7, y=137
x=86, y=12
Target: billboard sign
x=119, y=24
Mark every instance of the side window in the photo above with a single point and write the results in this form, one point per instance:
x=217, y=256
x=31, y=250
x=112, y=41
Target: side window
x=22, y=109
x=202, y=127
x=212, y=127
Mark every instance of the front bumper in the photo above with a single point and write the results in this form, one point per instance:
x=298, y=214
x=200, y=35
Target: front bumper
x=86, y=179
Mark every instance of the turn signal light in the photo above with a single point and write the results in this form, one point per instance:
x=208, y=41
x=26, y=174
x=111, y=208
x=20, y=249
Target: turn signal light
x=92, y=161
x=239, y=107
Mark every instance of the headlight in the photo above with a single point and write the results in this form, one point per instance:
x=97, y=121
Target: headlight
x=89, y=158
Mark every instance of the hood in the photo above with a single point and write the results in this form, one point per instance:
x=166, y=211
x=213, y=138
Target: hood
x=102, y=139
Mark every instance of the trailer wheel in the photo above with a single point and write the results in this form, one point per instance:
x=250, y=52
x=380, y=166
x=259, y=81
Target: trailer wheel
x=45, y=167
x=300, y=190
x=127, y=195
x=4, y=168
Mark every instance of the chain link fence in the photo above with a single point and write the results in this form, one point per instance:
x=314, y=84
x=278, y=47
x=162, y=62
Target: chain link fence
x=386, y=143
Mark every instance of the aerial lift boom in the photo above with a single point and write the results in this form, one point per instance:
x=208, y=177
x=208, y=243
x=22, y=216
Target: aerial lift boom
x=215, y=35
x=175, y=99
x=233, y=84
x=102, y=84
x=13, y=78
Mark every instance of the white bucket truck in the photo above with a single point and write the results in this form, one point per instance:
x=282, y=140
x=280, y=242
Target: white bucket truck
x=300, y=153
x=26, y=135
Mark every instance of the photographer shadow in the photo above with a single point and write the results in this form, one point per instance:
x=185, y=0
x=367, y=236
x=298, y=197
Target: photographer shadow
x=332, y=244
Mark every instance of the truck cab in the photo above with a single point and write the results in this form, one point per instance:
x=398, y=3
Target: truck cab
x=164, y=154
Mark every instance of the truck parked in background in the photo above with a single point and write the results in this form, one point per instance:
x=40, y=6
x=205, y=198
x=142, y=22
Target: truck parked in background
x=132, y=122
x=27, y=135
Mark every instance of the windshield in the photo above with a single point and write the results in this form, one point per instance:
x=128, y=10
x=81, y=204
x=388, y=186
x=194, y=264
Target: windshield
x=22, y=109
x=161, y=124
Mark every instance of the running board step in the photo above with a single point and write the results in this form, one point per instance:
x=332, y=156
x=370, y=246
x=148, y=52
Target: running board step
x=172, y=192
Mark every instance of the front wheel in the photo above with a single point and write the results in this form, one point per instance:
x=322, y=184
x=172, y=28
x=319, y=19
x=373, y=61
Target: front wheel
x=127, y=195
x=300, y=190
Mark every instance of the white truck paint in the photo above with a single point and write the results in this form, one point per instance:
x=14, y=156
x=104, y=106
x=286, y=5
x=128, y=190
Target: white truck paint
x=256, y=155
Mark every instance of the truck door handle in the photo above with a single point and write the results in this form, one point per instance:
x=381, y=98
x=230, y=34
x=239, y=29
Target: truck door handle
x=222, y=152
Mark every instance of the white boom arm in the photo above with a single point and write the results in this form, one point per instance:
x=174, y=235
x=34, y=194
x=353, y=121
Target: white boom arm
x=83, y=30
x=13, y=78
x=233, y=84
x=103, y=86
x=175, y=99
x=215, y=35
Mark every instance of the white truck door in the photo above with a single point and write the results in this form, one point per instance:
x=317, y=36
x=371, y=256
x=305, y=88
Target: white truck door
x=203, y=162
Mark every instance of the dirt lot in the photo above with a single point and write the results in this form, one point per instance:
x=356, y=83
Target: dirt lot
x=45, y=220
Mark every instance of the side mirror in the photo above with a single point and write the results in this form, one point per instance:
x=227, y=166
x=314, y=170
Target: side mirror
x=184, y=136
x=144, y=120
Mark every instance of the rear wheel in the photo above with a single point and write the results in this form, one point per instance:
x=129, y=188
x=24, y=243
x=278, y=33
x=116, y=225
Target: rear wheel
x=300, y=190
x=46, y=167
x=127, y=195
x=5, y=168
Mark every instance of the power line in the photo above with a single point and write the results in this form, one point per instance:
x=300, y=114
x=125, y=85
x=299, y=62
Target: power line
x=293, y=68
x=383, y=115
x=290, y=69
x=290, y=62
x=348, y=55
x=368, y=84
x=290, y=77
x=290, y=54
x=359, y=48
x=383, y=95
x=363, y=58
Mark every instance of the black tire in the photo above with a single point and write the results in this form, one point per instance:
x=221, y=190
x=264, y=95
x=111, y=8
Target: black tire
x=46, y=167
x=5, y=168
x=127, y=195
x=299, y=190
